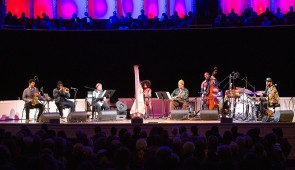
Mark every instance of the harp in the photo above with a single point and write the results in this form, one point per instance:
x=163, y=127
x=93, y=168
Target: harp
x=138, y=107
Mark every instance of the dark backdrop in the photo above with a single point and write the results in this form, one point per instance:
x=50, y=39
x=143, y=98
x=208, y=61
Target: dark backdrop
x=83, y=58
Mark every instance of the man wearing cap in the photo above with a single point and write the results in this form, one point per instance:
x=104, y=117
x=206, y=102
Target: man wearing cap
x=179, y=96
x=99, y=100
x=270, y=97
x=61, y=96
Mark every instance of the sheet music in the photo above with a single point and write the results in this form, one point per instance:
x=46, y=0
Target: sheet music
x=164, y=95
x=169, y=96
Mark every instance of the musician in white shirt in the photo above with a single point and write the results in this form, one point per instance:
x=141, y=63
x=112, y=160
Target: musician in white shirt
x=99, y=100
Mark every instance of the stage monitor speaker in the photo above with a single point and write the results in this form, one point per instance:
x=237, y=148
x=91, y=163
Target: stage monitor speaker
x=49, y=117
x=77, y=117
x=179, y=114
x=284, y=115
x=209, y=115
x=226, y=120
x=107, y=115
x=121, y=106
x=136, y=120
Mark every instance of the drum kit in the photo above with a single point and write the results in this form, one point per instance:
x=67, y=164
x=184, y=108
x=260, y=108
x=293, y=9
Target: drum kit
x=240, y=104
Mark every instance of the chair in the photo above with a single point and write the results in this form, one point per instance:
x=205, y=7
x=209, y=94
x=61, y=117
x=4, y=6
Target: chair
x=35, y=115
x=271, y=111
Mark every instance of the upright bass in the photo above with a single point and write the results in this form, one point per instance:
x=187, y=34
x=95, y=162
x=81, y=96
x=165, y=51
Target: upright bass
x=138, y=107
x=212, y=99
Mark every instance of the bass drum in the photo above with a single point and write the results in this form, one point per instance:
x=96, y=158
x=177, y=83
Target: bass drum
x=245, y=110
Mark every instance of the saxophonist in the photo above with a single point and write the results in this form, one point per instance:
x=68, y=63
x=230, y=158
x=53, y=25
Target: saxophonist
x=31, y=95
x=61, y=96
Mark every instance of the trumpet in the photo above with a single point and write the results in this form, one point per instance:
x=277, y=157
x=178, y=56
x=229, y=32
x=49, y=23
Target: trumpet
x=66, y=90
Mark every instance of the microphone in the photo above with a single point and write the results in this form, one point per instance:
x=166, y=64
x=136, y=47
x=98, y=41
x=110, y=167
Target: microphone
x=276, y=85
x=36, y=78
x=236, y=75
x=73, y=88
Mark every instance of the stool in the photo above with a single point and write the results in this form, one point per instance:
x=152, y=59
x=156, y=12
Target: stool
x=271, y=118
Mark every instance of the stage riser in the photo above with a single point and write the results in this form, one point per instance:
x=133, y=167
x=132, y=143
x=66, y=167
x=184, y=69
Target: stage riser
x=160, y=108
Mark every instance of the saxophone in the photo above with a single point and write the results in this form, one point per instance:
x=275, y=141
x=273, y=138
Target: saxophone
x=35, y=99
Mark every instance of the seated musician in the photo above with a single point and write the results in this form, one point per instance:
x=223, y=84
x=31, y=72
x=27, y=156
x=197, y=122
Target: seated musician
x=180, y=97
x=31, y=96
x=99, y=101
x=61, y=96
x=268, y=99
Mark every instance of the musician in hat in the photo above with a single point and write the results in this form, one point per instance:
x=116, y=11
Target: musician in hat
x=270, y=97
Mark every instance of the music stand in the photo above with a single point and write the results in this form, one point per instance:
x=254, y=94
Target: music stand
x=163, y=95
x=109, y=93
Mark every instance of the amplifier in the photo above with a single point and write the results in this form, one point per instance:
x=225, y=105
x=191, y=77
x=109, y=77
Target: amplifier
x=179, y=114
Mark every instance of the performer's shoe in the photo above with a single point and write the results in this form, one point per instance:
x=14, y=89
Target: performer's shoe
x=27, y=121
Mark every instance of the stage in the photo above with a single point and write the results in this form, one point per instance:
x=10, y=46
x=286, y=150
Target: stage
x=14, y=108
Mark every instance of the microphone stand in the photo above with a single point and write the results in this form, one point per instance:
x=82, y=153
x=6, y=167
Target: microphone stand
x=253, y=87
x=75, y=102
x=89, y=88
x=229, y=77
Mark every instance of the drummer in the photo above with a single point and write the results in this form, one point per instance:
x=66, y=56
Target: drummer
x=269, y=98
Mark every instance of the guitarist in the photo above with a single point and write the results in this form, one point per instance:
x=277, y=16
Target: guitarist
x=99, y=101
x=205, y=90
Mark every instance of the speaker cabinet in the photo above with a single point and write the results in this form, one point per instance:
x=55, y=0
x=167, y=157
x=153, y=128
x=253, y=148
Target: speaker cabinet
x=121, y=115
x=107, y=115
x=136, y=121
x=77, y=117
x=179, y=114
x=226, y=120
x=49, y=117
x=284, y=115
x=209, y=115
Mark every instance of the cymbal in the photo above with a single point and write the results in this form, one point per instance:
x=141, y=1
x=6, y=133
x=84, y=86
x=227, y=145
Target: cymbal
x=243, y=90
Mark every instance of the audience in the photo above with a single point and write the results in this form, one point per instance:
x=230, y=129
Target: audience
x=47, y=149
x=248, y=17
